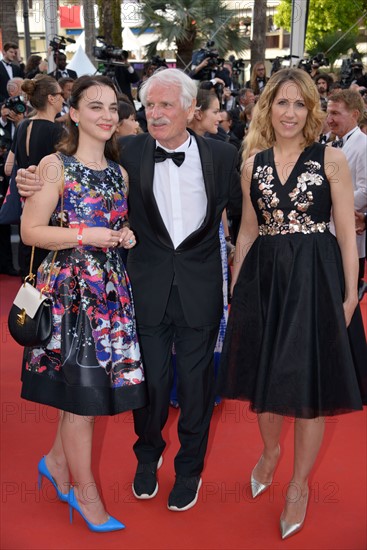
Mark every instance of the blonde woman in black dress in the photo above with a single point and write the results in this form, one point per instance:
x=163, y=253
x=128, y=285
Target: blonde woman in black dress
x=289, y=347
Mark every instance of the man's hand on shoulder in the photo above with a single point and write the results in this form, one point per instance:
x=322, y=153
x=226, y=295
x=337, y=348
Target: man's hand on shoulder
x=28, y=182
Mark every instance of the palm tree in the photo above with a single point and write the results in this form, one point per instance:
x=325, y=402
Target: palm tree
x=258, y=42
x=109, y=15
x=8, y=21
x=89, y=28
x=189, y=24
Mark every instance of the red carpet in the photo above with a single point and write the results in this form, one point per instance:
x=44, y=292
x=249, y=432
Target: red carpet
x=225, y=516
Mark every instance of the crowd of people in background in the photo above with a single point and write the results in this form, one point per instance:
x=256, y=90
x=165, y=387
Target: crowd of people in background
x=236, y=104
x=206, y=125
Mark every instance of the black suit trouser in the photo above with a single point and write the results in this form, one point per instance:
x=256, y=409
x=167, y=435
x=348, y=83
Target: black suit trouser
x=195, y=387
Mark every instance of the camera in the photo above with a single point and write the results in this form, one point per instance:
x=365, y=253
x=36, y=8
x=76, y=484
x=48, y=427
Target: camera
x=109, y=52
x=305, y=65
x=59, y=43
x=319, y=59
x=350, y=70
x=276, y=64
x=238, y=65
x=207, y=53
x=158, y=61
x=16, y=104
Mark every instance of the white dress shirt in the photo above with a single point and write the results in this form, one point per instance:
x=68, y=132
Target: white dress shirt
x=8, y=68
x=355, y=150
x=180, y=192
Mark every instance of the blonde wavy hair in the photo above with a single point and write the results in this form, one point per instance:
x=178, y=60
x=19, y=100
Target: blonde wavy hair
x=261, y=133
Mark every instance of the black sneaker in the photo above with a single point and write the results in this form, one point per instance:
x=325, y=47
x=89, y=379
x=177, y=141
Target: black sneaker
x=184, y=494
x=145, y=483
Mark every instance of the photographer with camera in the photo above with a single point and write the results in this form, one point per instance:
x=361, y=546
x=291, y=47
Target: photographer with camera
x=116, y=66
x=13, y=110
x=8, y=69
x=207, y=65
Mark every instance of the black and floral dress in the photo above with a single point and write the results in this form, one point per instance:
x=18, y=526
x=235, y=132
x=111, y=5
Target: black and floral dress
x=92, y=365
x=287, y=349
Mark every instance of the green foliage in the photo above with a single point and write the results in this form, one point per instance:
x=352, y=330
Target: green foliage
x=324, y=17
x=342, y=47
x=190, y=23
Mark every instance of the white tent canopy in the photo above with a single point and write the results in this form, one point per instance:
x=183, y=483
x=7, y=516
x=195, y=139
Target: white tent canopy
x=81, y=63
x=130, y=42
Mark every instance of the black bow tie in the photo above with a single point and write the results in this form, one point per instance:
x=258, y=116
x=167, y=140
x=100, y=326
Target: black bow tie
x=337, y=143
x=160, y=155
x=6, y=63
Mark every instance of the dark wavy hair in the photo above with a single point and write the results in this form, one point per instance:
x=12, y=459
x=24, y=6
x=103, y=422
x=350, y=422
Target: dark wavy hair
x=33, y=62
x=69, y=143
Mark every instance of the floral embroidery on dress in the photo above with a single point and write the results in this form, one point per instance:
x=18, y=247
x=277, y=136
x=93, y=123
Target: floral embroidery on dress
x=301, y=195
x=296, y=221
x=269, y=199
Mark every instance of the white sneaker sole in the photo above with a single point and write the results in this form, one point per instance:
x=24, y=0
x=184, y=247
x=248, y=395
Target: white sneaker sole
x=188, y=506
x=145, y=496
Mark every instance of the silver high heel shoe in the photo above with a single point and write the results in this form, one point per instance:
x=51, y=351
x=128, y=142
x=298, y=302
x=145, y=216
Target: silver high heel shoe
x=289, y=529
x=256, y=486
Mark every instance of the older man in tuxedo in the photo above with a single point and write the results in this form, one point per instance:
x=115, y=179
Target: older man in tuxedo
x=345, y=109
x=180, y=184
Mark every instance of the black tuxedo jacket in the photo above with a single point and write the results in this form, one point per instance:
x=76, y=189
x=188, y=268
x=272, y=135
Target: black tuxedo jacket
x=4, y=79
x=195, y=265
x=125, y=79
x=58, y=74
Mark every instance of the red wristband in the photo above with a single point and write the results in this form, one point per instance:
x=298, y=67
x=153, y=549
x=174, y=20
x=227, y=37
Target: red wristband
x=80, y=234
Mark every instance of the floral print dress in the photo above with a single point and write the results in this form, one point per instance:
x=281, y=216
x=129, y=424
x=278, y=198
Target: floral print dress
x=287, y=349
x=92, y=365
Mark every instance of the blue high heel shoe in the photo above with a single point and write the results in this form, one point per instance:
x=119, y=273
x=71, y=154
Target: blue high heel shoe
x=111, y=524
x=44, y=471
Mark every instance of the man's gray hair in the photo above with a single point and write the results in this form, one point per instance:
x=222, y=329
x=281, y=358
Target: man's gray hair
x=169, y=78
x=14, y=85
